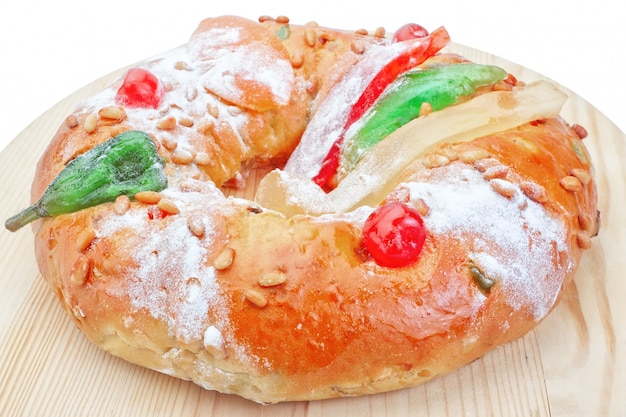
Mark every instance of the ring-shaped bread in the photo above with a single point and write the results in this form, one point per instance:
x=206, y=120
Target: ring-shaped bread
x=202, y=282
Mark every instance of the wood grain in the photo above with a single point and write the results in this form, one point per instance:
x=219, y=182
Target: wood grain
x=573, y=364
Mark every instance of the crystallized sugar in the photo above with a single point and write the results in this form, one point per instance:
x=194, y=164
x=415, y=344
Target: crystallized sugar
x=172, y=281
x=324, y=128
x=215, y=38
x=226, y=58
x=525, y=236
x=513, y=240
x=213, y=337
x=248, y=64
x=184, y=98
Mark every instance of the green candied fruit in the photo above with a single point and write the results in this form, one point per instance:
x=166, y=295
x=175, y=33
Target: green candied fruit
x=283, y=32
x=439, y=86
x=125, y=164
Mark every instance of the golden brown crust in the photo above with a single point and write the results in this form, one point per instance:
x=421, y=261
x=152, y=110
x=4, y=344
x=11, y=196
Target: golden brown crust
x=243, y=300
x=218, y=142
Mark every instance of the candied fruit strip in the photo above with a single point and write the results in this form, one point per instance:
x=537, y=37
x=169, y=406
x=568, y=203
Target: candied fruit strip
x=376, y=174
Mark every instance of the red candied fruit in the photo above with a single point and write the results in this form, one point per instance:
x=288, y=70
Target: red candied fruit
x=155, y=213
x=394, y=235
x=409, y=31
x=140, y=89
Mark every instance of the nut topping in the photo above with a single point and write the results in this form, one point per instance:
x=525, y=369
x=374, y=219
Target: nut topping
x=84, y=239
x=112, y=113
x=225, y=259
x=90, y=123
x=534, y=191
x=148, y=197
x=272, y=279
x=80, y=271
x=571, y=183
x=256, y=298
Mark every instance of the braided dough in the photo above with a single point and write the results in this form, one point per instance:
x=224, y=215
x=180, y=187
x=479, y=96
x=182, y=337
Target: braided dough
x=238, y=298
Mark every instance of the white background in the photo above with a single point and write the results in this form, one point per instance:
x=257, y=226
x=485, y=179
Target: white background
x=49, y=49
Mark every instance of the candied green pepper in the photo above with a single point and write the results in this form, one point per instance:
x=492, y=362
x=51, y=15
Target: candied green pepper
x=439, y=86
x=125, y=164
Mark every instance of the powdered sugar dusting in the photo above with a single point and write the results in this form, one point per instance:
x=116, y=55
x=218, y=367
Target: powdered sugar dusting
x=215, y=38
x=514, y=240
x=325, y=128
x=185, y=98
x=221, y=58
x=329, y=120
x=213, y=337
x=171, y=286
x=171, y=279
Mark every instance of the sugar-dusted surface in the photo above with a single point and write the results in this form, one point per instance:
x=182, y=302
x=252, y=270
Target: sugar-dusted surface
x=157, y=284
x=328, y=123
x=180, y=290
x=176, y=103
x=573, y=364
x=513, y=239
x=224, y=61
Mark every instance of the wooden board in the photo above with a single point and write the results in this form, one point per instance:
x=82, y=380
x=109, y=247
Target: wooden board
x=573, y=364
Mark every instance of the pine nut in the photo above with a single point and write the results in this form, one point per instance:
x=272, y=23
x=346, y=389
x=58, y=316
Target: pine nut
x=168, y=123
x=256, y=298
x=182, y=157
x=534, y=191
x=90, y=123
x=497, y=171
x=202, y=159
x=183, y=66
x=169, y=143
x=503, y=187
x=435, y=161
x=225, y=259
x=297, y=59
x=213, y=110
x=168, y=206
x=571, y=183
x=585, y=222
x=84, y=239
x=121, y=204
x=473, y=155
x=272, y=279
x=583, y=241
x=80, y=271
x=357, y=47
x=196, y=226
x=71, y=121
x=310, y=37
x=112, y=113
x=583, y=176
x=191, y=93
x=148, y=197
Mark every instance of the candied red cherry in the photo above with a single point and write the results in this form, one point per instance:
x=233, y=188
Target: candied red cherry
x=409, y=31
x=394, y=235
x=140, y=89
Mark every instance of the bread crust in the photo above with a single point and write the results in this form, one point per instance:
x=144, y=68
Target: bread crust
x=244, y=300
